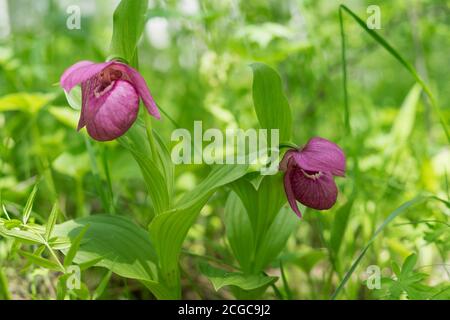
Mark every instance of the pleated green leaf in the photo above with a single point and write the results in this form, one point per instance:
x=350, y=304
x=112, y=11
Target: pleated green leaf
x=258, y=239
x=128, y=24
x=124, y=247
x=168, y=230
x=153, y=172
x=239, y=232
x=271, y=105
x=221, y=278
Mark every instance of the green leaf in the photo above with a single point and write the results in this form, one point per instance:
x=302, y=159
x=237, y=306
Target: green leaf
x=29, y=205
x=124, y=247
x=26, y=102
x=51, y=222
x=74, y=166
x=4, y=287
x=221, y=278
x=135, y=141
x=61, y=287
x=88, y=264
x=404, y=122
x=75, y=245
x=271, y=105
x=102, y=285
x=255, y=253
x=42, y=262
x=13, y=223
x=339, y=226
x=74, y=98
x=408, y=281
x=271, y=225
x=65, y=115
x=165, y=161
x=128, y=24
x=168, y=230
x=239, y=232
x=274, y=240
x=25, y=236
x=262, y=204
x=409, y=263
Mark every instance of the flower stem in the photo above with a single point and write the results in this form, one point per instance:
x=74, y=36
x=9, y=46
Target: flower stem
x=151, y=141
x=288, y=144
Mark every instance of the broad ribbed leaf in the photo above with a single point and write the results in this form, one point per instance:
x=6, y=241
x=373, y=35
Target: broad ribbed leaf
x=221, y=278
x=274, y=240
x=259, y=232
x=169, y=229
x=126, y=248
x=262, y=204
x=128, y=24
x=339, y=226
x=271, y=105
x=154, y=175
x=239, y=232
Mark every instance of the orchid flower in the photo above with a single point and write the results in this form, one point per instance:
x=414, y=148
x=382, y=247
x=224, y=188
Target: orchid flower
x=110, y=97
x=309, y=173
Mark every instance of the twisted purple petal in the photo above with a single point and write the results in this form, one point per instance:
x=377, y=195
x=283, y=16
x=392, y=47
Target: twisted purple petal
x=110, y=115
x=321, y=155
x=81, y=72
x=318, y=193
x=285, y=161
x=289, y=191
x=141, y=87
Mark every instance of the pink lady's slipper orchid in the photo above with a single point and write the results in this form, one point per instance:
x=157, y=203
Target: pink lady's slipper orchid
x=309, y=174
x=110, y=97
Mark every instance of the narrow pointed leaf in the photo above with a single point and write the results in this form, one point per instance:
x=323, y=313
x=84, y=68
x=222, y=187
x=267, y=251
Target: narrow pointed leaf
x=42, y=262
x=115, y=242
x=128, y=24
x=29, y=205
x=76, y=242
x=271, y=105
x=51, y=222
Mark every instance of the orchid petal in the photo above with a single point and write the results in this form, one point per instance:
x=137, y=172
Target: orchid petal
x=321, y=155
x=287, y=156
x=290, y=192
x=111, y=114
x=81, y=72
x=84, y=107
x=318, y=193
x=141, y=87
